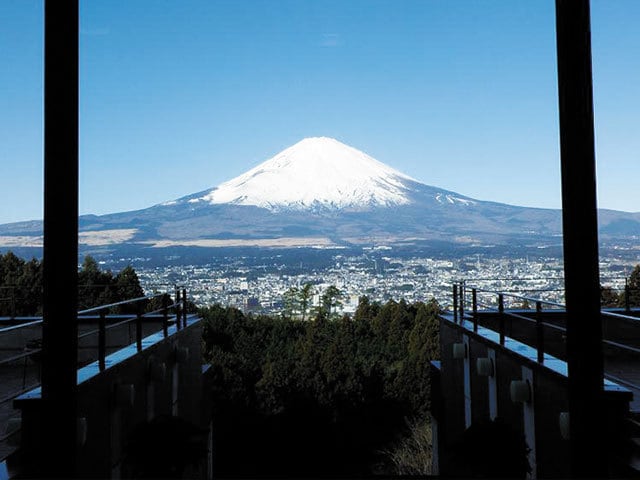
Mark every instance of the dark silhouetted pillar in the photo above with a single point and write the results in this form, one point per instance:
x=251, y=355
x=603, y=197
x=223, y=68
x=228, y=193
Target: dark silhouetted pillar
x=60, y=238
x=580, y=231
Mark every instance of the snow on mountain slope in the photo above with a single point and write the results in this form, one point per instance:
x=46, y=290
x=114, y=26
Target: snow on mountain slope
x=452, y=199
x=317, y=172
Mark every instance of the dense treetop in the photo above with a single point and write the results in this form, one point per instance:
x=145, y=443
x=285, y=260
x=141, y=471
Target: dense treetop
x=322, y=395
x=629, y=296
x=21, y=286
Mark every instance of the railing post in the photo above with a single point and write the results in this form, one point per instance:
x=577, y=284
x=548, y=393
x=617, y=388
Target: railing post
x=165, y=317
x=539, y=333
x=184, y=307
x=24, y=373
x=462, y=294
x=627, y=296
x=13, y=302
x=139, y=330
x=474, y=307
x=177, y=304
x=102, y=340
x=501, y=312
x=455, y=302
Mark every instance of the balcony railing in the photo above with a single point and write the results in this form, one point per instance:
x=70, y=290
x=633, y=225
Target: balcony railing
x=101, y=333
x=503, y=355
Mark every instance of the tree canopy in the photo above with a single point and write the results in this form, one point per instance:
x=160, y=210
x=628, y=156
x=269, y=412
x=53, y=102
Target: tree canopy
x=610, y=298
x=21, y=286
x=317, y=396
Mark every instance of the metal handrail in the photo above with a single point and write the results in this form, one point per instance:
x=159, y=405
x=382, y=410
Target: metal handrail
x=179, y=317
x=7, y=436
x=20, y=356
x=562, y=329
x=515, y=295
x=131, y=318
x=100, y=313
x=9, y=398
x=117, y=304
x=108, y=327
x=462, y=286
x=621, y=346
x=545, y=302
x=22, y=325
x=33, y=351
x=619, y=315
x=533, y=299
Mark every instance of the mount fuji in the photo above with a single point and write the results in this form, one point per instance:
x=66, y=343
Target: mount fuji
x=322, y=193
x=319, y=174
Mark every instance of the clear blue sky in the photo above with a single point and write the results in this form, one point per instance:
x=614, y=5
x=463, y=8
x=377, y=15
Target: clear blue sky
x=179, y=96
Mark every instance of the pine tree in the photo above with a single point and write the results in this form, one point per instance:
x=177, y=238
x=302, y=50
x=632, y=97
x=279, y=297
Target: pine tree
x=609, y=298
x=633, y=284
x=127, y=287
x=331, y=300
x=291, y=303
x=305, y=297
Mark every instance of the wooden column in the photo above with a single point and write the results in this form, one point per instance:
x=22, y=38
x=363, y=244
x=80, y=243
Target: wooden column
x=580, y=236
x=59, y=353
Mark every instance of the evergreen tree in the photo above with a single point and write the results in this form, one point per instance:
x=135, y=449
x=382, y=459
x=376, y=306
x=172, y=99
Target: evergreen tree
x=28, y=293
x=127, y=287
x=290, y=302
x=159, y=302
x=94, y=286
x=330, y=301
x=609, y=298
x=11, y=268
x=633, y=284
x=366, y=310
x=323, y=391
x=21, y=284
x=305, y=297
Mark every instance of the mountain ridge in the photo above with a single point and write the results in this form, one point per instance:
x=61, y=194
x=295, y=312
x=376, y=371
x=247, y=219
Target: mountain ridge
x=383, y=206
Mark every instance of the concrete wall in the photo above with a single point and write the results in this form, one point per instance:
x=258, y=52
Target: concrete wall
x=487, y=396
x=103, y=402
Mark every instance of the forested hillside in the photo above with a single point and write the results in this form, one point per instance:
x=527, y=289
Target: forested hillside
x=322, y=396
x=307, y=394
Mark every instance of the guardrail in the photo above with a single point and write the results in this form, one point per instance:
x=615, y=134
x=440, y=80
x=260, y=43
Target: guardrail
x=181, y=318
x=101, y=313
x=459, y=308
x=533, y=329
x=20, y=372
x=502, y=304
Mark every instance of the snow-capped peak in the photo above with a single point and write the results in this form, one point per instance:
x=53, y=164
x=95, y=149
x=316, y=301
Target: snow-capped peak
x=317, y=172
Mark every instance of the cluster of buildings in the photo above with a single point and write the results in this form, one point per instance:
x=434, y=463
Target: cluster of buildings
x=259, y=286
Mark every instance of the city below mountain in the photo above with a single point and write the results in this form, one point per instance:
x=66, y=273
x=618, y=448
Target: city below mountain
x=322, y=193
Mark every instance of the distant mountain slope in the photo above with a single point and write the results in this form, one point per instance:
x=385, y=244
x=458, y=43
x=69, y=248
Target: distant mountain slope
x=315, y=173
x=323, y=192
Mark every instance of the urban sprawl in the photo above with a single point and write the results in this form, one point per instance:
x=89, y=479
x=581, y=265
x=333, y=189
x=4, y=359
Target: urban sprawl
x=239, y=282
